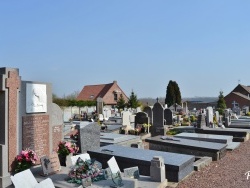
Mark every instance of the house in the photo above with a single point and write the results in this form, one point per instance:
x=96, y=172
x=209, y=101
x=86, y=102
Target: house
x=110, y=93
x=239, y=97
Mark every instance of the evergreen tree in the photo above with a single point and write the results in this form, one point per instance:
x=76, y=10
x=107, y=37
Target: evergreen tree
x=173, y=94
x=133, y=102
x=221, y=103
x=121, y=102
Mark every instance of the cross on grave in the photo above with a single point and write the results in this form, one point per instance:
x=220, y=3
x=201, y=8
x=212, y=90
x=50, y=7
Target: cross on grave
x=234, y=103
x=13, y=84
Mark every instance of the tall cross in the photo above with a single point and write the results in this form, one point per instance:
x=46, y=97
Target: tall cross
x=13, y=84
x=234, y=103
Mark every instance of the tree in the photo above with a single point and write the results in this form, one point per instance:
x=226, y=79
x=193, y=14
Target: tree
x=221, y=103
x=133, y=102
x=173, y=94
x=121, y=103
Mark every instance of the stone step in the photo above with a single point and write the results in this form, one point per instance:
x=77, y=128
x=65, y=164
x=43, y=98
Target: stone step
x=202, y=162
x=232, y=146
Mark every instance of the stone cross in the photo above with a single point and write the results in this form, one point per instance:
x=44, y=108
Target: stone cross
x=13, y=84
x=234, y=103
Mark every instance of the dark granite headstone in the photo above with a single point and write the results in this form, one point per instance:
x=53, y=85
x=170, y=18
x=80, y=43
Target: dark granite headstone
x=89, y=137
x=158, y=120
x=99, y=105
x=141, y=118
x=149, y=111
x=168, y=116
x=177, y=166
x=201, y=121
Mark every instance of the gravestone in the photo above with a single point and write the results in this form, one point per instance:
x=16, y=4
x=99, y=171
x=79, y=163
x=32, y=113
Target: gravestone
x=125, y=118
x=201, y=121
x=157, y=169
x=57, y=126
x=138, y=109
x=132, y=172
x=89, y=137
x=209, y=115
x=149, y=111
x=168, y=116
x=99, y=105
x=50, y=164
x=245, y=109
x=29, y=105
x=141, y=118
x=217, y=116
x=227, y=117
x=39, y=120
x=9, y=97
x=158, y=120
x=132, y=121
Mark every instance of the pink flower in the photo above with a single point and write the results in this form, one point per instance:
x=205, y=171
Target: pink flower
x=68, y=144
x=19, y=158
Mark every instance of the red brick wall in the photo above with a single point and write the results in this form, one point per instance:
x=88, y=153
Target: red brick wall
x=233, y=97
x=109, y=97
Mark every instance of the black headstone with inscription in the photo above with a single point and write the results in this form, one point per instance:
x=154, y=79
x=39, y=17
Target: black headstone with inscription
x=158, y=120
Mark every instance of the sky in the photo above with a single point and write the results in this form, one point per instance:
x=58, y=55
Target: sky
x=142, y=44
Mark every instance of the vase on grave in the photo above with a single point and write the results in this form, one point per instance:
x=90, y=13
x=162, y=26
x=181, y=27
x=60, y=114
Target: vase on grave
x=62, y=159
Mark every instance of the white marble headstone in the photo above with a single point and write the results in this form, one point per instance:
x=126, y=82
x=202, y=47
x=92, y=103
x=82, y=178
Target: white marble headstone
x=113, y=165
x=36, y=98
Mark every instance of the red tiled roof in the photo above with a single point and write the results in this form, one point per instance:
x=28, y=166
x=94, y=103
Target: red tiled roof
x=92, y=92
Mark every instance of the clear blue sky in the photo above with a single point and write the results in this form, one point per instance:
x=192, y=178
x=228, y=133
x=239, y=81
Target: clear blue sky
x=203, y=45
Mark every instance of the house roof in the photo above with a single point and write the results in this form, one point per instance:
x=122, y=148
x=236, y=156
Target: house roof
x=241, y=95
x=92, y=92
x=247, y=88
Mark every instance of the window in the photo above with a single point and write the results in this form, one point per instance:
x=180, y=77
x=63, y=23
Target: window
x=115, y=96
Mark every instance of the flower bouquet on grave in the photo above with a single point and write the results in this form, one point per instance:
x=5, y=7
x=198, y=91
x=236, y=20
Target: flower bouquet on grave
x=25, y=160
x=85, y=170
x=64, y=149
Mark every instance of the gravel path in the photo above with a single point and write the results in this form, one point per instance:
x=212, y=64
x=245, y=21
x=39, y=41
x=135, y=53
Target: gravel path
x=229, y=172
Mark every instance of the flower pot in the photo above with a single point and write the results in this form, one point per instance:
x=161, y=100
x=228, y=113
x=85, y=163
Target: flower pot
x=62, y=159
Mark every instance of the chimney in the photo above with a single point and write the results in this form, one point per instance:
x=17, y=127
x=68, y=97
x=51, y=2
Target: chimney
x=115, y=82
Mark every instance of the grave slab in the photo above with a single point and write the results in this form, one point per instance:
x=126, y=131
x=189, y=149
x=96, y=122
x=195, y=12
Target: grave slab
x=177, y=166
x=206, y=137
x=120, y=139
x=187, y=146
x=239, y=135
x=232, y=146
x=59, y=180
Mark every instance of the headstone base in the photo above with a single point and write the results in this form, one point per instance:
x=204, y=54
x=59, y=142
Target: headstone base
x=5, y=181
x=155, y=131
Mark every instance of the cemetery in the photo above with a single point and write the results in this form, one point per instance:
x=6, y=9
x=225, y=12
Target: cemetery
x=42, y=144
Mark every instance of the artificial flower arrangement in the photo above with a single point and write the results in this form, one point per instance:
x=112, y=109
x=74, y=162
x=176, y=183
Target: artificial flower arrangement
x=86, y=169
x=25, y=160
x=66, y=148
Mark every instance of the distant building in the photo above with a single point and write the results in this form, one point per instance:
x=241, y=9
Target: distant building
x=110, y=93
x=239, y=97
